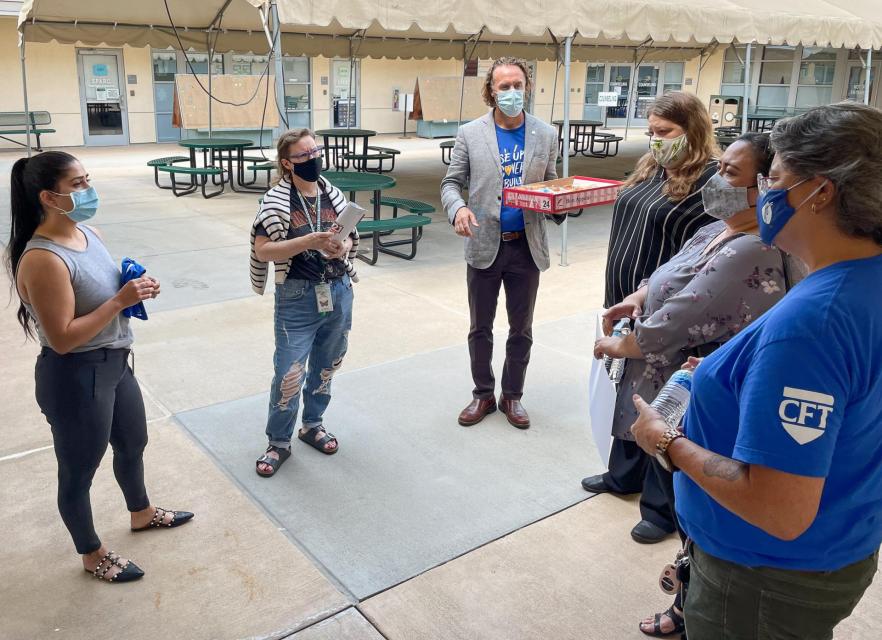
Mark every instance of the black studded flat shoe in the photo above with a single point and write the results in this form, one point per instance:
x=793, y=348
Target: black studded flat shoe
x=129, y=571
x=178, y=518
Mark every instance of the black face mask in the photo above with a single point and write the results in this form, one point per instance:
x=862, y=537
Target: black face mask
x=308, y=170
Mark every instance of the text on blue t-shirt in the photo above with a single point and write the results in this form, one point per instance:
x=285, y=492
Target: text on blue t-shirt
x=511, y=157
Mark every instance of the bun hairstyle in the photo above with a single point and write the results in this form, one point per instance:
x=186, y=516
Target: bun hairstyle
x=843, y=143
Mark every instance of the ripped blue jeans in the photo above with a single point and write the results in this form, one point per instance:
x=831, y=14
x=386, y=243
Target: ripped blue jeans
x=309, y=350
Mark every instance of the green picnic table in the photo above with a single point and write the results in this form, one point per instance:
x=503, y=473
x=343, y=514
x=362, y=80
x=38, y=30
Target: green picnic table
x=224, y=149
x=341, y=142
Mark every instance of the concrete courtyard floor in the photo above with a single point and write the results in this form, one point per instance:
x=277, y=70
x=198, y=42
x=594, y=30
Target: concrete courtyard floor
x=416, y=529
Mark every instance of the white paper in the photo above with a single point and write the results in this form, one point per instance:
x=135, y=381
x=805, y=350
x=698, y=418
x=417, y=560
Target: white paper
x=601, y=403
x=347, y=220
x=608, y=98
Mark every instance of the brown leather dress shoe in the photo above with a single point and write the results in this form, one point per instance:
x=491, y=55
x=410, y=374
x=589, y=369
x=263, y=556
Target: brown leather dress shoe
x=477, y=410
x=515, y=412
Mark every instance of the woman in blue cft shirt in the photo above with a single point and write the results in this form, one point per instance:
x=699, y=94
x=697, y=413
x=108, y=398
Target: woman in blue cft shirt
x=780, y=489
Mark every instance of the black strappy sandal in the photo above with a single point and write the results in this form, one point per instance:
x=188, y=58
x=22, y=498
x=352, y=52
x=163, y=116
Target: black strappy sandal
x=178, y=518
x=676, y=618
x=274, y=463
x=129, y=571
x=309, y=438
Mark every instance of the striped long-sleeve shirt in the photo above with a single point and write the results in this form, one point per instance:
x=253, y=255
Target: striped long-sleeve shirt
x=648, y=229
x=276, y=218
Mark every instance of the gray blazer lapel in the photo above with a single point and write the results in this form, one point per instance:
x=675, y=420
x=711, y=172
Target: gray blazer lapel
x=530, y=140
x=490, y=139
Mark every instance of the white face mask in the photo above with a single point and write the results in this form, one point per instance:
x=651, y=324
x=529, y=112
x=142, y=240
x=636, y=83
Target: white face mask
x=722, y=200
x=667, y=152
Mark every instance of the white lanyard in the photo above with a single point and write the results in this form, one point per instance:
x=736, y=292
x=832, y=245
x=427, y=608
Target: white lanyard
x=315, y=210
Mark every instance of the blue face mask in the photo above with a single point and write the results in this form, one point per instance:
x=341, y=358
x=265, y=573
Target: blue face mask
x=773, y=212
x=510, y=102
x=85, y=204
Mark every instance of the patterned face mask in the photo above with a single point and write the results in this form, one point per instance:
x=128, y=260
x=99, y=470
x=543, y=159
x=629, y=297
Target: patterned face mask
x=667, y=153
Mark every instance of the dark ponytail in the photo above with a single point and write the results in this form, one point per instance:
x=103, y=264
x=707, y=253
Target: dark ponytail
x=30, y=176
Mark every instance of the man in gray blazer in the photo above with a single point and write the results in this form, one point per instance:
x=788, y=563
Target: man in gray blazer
x=504, y=246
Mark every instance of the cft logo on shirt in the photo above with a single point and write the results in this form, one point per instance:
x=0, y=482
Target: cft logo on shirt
x=804, y=413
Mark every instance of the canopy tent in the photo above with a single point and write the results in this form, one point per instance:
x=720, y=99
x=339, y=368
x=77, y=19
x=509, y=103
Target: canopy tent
x=590, y=29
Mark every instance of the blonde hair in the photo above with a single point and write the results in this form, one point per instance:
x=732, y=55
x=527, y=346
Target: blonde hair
x=286, y=140
x=687, y=111
x=487, y=89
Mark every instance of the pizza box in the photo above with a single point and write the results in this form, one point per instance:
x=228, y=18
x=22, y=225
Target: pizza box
x=563, y=194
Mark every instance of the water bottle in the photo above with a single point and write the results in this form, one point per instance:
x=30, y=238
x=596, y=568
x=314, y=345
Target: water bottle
x=615, y=367
x=673, y=400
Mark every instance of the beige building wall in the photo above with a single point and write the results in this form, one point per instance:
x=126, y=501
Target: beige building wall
x=544, y=95
x=53, y=86
x=142, y=121
x=708, y=83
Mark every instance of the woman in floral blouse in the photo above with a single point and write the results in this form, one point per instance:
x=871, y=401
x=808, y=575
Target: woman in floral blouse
x=723, y=279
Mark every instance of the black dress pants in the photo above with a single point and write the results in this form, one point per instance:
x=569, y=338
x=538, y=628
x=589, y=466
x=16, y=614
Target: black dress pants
x=630, y=471
x=91, y=399
x=515, y=270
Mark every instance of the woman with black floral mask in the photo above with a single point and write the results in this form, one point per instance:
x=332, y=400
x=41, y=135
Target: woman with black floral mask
x=313, y=295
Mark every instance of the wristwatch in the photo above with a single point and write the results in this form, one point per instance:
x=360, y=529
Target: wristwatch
x=670, y=434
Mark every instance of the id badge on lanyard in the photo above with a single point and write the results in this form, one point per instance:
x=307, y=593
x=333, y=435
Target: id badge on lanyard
x=323, y=298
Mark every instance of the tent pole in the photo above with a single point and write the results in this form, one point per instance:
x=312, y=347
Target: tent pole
x=276, y=50
x=24, y=88
x=868, y=76
x=554, y=89
x=631, y=90
x=210, y=65
x=746, y=88
x=566, y=142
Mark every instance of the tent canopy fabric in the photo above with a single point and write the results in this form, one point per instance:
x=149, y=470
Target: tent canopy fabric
x=836, y=23
x=603, y=30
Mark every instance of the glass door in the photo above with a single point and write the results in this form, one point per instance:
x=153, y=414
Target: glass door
x=620, y=83
x=102, y=98
x=594, y=84
x=647, y=91
x=344, y=94
x=856, y=85
x=297, y=91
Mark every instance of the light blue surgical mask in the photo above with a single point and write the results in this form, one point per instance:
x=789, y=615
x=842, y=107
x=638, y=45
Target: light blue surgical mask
x=85, y=204
x=510, y=102
x=773, y=212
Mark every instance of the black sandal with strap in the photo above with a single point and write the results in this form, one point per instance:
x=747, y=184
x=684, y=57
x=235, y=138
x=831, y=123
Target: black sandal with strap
x=309, y=438
x=676, y=618
x=129, y=571
x=178, y=518
x=273, y=463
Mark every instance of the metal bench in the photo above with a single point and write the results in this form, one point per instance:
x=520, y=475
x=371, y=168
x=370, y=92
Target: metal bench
x=360, y=161
x=446, y=150
x=411, y=206
x=162, y=162
x=269, y=167
x=605, y=139
x=17, y=123
x=202, y=173
x=386, y=151
x=377, y=227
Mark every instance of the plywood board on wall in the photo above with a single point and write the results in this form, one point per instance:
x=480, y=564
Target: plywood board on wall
x=248, y=94
x=436, y=98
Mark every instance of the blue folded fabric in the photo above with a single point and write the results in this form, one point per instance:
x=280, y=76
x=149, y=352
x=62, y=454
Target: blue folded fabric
x=130, y=271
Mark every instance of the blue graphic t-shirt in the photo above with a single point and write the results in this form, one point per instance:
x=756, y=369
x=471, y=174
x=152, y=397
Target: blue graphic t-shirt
x=800, y=391
x=511, y=156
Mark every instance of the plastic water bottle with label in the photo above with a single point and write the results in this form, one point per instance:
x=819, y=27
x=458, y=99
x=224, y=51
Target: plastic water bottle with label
x=673, y=400
x=615, y=367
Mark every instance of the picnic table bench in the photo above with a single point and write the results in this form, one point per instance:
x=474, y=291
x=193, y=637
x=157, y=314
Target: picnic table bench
x=18, y=123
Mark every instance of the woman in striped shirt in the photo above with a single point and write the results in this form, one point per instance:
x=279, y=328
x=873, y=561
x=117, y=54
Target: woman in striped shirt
x=294, y=230
x=658, y=209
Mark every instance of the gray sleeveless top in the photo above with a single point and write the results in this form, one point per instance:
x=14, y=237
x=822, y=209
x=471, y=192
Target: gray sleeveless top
x=95, y=279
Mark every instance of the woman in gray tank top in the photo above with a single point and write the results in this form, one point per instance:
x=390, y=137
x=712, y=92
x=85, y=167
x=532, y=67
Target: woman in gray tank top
x=71, y=296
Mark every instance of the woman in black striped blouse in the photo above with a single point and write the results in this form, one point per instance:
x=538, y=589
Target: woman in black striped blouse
x=658, y=209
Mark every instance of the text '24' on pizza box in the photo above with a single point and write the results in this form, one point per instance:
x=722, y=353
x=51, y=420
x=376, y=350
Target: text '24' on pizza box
x=562, y=195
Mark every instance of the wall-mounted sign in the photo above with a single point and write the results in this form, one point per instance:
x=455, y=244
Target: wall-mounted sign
x=608, y=99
